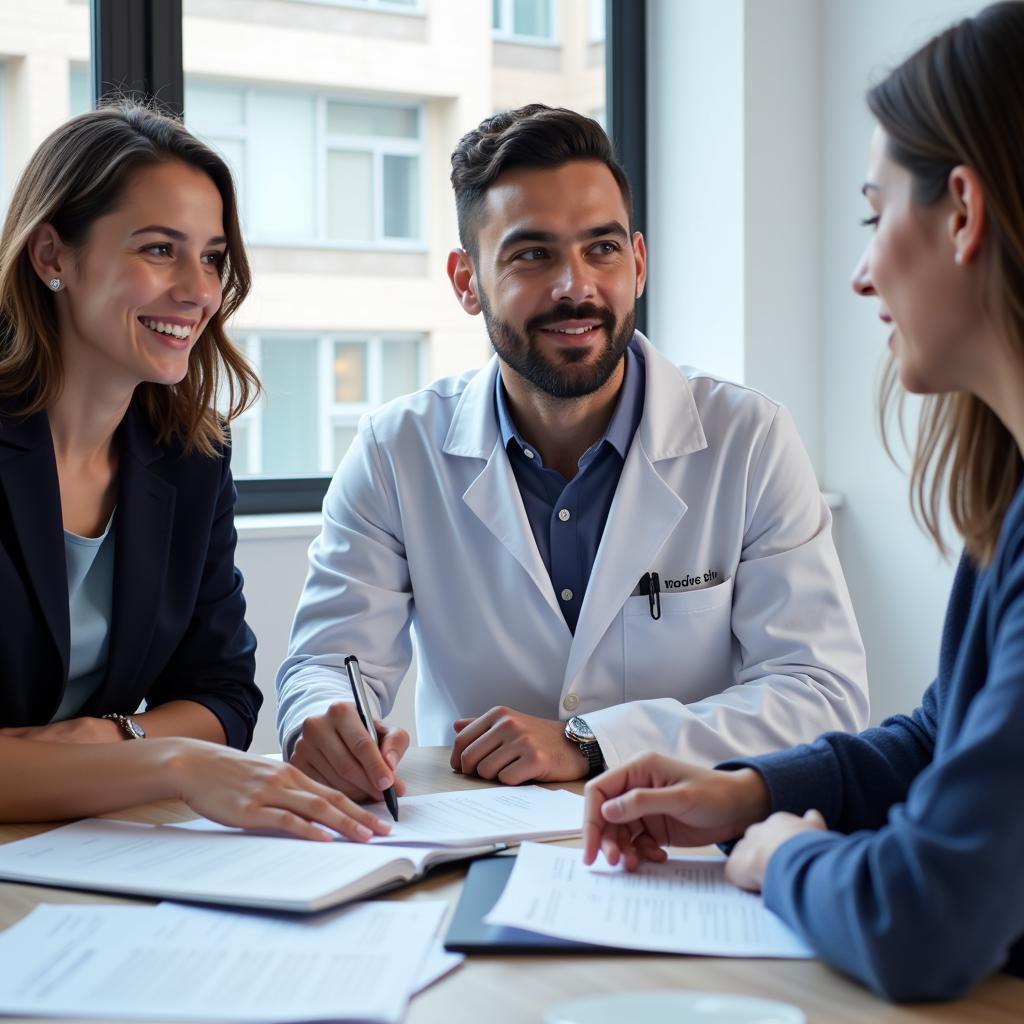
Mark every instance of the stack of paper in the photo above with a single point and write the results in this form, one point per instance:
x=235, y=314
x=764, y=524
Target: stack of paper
x=170, y=962
x=207, y=863
x=683, y=905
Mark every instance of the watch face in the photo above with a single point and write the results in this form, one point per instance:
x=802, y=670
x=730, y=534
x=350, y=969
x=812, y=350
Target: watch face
x=578, y=729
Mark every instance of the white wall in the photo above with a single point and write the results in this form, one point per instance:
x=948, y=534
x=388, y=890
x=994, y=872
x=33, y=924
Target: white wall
x=757, y=144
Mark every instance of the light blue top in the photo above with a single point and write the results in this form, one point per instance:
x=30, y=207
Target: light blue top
x=90, y=562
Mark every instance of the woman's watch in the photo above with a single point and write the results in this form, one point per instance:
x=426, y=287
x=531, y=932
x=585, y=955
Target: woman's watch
x=129, y=726
x=577, y=731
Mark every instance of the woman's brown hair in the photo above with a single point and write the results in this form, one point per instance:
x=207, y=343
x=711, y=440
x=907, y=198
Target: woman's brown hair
x=77, y=175
x=959, y=100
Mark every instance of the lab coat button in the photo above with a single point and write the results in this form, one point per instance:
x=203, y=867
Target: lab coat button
x=566, y=594
x=571, y=702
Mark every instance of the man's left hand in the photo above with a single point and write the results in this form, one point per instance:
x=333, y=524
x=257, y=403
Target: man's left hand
x=748, y=861
x=513, y=748
x=73, y=730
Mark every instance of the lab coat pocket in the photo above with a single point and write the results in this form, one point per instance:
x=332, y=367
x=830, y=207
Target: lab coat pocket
x=687, y=654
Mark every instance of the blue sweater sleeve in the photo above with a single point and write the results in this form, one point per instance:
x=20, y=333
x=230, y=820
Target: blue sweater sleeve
x=929, y=903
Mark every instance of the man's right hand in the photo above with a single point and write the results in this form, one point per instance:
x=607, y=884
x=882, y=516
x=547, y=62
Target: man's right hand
x=652, y=801
x=334, y=748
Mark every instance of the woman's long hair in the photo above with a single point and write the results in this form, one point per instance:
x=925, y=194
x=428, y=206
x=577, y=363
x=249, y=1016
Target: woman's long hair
x=960, y=100
x=77, y=175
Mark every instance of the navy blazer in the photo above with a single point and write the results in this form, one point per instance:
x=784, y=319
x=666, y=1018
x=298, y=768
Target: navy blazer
x=178, y=629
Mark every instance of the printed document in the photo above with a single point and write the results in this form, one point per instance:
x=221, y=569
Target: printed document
x=169, y=962
x=498, y=814
x=683, y=905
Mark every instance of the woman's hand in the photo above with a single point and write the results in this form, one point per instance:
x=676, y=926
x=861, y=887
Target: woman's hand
x=72, y=730
x=653, y=801
x=749, y=858
x=252, y=792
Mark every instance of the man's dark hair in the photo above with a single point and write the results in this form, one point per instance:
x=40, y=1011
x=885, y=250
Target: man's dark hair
x=532, y=136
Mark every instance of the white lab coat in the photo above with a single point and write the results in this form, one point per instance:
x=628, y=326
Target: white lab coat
x=424, y=527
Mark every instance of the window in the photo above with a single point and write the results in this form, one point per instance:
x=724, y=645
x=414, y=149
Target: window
x=317, y=388
x=79, y=91
x=315, y=168
x=530, y=21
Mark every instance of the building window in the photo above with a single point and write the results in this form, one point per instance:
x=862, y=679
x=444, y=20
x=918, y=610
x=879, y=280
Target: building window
x=314, y=168
x=527, y=21
x=316, y=388
x=79, y=90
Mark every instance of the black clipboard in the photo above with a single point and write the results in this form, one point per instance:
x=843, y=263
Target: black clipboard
x=468, y=933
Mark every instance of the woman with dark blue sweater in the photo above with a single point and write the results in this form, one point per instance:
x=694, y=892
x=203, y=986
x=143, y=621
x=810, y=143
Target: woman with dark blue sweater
x=898, y=854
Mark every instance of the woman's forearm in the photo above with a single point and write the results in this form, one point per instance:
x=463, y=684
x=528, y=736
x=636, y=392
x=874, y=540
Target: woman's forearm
x=54, y=781
x=182, y=718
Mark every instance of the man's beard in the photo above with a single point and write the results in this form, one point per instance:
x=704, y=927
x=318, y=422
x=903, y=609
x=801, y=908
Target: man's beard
x=569, y=376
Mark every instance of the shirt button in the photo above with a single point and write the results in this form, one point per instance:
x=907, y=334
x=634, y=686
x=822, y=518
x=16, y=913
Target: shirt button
x=566, y=594
x=571, y=702
x=528, y=453
x=563, y=514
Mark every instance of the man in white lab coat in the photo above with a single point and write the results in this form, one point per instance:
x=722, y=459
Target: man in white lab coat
x=597, y=553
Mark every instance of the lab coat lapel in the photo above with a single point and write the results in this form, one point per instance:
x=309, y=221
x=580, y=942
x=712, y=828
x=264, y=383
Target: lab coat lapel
x=145, y=515
x=645, y=509
x=493, y=496
x=28, y=477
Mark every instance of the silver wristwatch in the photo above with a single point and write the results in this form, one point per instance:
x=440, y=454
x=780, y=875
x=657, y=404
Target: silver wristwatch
x=129, y=726
x=577, y=731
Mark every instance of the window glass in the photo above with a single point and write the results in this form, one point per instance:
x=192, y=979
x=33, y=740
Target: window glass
x=79, y=91
x=364, y=119
x=400, y=186
x=281, y=198
x=289, y=417
x=343, y=436
x=531, y=18
x=350, y=196
x=349, y=372
x=400, y=370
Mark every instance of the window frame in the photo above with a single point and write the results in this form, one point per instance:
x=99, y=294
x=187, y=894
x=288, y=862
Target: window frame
x=137, y=45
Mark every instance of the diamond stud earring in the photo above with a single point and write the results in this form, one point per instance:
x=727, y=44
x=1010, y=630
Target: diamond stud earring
x=54, y=284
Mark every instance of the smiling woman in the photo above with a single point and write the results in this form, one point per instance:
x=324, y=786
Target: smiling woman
x=120, y=260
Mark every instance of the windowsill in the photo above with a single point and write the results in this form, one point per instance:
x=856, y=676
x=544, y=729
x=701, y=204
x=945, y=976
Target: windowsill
x=307, y=524
x=354, y=5
x=278, y=527
x=314, y=243
x=546, y=44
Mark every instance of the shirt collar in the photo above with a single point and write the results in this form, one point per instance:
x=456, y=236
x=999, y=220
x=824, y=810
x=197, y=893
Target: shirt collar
x=621, y=427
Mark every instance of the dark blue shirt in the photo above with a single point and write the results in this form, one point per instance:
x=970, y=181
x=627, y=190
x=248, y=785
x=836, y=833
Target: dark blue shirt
x=568, y=517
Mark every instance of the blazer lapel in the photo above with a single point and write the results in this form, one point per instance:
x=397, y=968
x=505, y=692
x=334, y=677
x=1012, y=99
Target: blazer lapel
x=145, y=516
x=28, y=477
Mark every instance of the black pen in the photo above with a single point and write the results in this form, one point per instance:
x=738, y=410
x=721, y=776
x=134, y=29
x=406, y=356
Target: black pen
x=363, y=707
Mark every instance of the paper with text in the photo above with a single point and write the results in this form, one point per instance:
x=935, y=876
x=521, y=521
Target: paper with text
x=182, y=963
x=684, y=905
x=499, y=814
